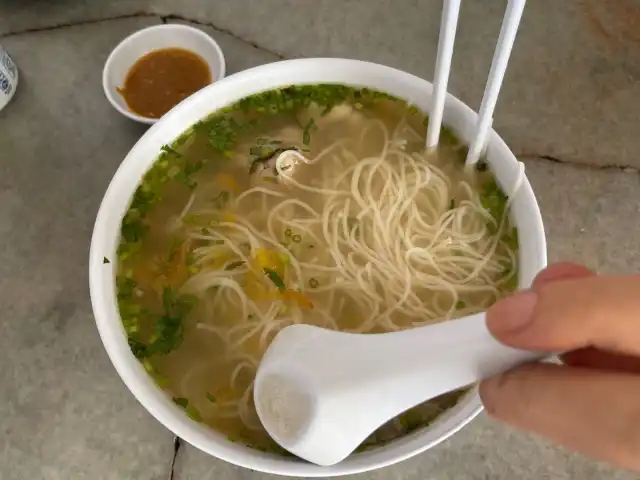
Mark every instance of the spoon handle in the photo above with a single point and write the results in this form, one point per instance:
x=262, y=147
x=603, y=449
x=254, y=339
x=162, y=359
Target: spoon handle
x=405, y=368
x=458, y=353
x=466, y=351
x=417, y=365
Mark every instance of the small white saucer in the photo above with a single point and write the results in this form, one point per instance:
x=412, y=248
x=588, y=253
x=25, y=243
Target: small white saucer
x=135, y=46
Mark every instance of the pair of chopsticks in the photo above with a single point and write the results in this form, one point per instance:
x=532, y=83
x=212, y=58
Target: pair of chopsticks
x=501, y=54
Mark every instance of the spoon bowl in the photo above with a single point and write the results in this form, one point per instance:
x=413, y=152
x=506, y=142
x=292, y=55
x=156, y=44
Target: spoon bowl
x=320, y=393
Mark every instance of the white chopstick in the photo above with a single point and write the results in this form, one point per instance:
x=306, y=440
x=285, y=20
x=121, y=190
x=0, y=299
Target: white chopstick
x=501, y=55
x=448, y=26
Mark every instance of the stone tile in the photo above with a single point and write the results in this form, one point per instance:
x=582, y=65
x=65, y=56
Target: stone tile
x=239, y=55
x=194, y=464
x=66, y=414
x=21, y=15
x=572, y=90
x=304, y=28
x=589, y=214
x=574, y=87
x=484, y=450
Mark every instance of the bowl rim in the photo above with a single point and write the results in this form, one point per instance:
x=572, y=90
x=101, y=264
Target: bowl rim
x=106, y=234
x=137, y=35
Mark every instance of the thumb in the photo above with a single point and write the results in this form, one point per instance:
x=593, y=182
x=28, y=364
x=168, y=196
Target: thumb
x=573, y=313
x=589, y=357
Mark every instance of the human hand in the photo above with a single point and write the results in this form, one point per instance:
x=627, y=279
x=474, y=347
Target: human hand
x=592, y=402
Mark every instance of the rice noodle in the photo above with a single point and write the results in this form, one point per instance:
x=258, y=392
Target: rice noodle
x=382, y=243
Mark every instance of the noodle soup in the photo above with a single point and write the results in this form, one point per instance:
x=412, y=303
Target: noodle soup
x=308, y=204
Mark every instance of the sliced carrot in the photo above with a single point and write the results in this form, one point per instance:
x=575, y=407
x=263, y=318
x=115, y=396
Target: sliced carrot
x=299, y=298
x=226, y=181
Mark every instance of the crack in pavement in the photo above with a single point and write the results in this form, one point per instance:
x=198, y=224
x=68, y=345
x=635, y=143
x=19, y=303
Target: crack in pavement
x=168, y=18
x=573, y=163
x=161, y=17
x=80, y=22
x=177, y=443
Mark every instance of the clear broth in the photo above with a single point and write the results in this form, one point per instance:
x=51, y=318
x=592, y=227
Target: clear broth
x=217, y=160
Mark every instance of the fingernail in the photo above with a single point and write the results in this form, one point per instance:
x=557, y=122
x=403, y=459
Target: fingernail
x=491, y=395
x=487, y=390
x=513, y=313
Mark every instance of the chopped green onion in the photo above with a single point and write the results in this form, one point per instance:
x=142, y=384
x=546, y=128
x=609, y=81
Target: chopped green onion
x=160, y=380
x=460, y=304
x=105, y=260
x=188, y=181
x=306, y=132
x=288, y=232
x=181, y=401
x=296, y=238
x=146, y=363
x=275, y=278
x=512, y=284
x=171, y=150
x=511, y=238
x=494, y=201
x=313, y=283
x=168, y=326
x=193, y=413
x=211, y=398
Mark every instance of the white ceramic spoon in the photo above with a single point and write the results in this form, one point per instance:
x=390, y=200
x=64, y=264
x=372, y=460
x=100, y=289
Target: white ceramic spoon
x=320, y=393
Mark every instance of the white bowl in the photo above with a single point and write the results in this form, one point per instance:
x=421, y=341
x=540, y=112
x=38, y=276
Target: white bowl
x=106, y=236
x=129, y=51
